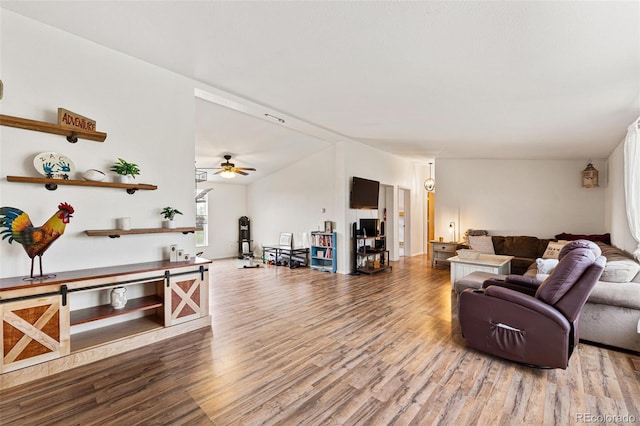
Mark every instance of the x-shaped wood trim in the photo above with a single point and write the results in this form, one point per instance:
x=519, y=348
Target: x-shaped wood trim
x=185, y=298
x=31, y=332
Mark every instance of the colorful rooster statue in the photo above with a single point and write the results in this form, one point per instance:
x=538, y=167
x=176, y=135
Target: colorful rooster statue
x=16, y=225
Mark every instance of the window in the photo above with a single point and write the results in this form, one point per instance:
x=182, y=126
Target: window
x=202, y=209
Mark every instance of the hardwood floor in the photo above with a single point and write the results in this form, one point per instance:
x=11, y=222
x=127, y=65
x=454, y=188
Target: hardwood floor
x=295, y=346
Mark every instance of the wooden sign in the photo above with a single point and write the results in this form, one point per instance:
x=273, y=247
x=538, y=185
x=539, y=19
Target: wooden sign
x=71, y=119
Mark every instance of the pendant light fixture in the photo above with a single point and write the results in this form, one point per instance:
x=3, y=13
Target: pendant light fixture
x=430, y=184
x=590, y=176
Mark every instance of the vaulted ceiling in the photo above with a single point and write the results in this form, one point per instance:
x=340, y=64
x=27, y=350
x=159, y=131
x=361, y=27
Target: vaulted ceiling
x=427, y=79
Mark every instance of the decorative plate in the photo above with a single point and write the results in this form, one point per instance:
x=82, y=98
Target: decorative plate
x=54, y=165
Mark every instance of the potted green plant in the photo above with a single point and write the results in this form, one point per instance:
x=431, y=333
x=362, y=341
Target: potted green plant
x=126, y=171
x=169, y=213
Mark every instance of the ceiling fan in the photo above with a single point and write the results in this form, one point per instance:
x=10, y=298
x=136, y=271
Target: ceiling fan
x=229, y=170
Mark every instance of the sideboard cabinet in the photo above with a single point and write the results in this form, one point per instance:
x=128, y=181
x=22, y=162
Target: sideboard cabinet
x=51, y=325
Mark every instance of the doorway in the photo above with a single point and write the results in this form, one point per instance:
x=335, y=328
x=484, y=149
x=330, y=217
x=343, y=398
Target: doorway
x=431, y=208
x=404, y=222
x=387, y=210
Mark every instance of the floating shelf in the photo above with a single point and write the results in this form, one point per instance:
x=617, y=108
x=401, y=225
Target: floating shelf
x=52, y=184
x=115, y=233
x=71, y=133
x=96, y=313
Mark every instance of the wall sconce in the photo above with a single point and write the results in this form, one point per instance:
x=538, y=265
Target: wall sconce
x=590, y=176
x=452, y=230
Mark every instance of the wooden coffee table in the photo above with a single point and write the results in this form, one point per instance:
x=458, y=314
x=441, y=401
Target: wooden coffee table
x=493, y=263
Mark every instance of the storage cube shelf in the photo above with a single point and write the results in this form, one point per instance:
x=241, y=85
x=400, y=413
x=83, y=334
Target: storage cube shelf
x=323, y=251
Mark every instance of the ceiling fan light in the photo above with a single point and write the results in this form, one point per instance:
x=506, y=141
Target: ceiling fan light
x=228, y=174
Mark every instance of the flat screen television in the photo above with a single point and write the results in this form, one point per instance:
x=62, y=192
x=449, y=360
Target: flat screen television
x=364, y=194
x=371, y=227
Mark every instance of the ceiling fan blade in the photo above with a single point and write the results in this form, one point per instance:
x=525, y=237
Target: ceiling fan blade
x=229, y=167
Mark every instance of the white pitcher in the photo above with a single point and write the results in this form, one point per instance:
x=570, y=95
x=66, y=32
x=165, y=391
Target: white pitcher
x=118, y=297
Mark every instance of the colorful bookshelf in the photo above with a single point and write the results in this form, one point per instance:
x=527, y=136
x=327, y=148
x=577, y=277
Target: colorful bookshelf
x=323, y=251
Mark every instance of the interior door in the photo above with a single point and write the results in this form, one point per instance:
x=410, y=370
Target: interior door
x=431, y=206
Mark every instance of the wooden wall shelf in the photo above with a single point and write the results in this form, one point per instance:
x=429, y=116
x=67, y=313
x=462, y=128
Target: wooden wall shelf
x=115, y=233
x=52, y=184
x=40, y=126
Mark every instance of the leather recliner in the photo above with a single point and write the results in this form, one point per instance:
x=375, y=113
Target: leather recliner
x=533, y=323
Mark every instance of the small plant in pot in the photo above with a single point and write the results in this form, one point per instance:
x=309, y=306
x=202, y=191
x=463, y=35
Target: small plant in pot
x=126, y=171
x=170, y=213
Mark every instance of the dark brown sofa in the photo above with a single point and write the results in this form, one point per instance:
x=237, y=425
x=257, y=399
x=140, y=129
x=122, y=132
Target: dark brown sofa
x=524, y=249
x=527, y=249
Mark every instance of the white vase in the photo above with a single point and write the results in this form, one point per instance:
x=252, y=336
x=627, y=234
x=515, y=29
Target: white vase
x=123, y=179
x=118, y=297
x=169, y=224
x=123, y=223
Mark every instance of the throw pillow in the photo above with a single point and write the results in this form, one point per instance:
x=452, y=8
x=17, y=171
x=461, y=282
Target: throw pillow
x=620, y=271
x=481, y=243
x=473, y=233
x=553, y=250
x=605, y=238
x=541, y=277
x=545, y=266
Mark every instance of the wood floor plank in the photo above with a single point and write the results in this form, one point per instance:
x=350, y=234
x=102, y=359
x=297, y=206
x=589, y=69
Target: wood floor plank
x=302, y=347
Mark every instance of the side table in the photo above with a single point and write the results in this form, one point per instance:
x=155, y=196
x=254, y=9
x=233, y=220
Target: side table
x=441, y=251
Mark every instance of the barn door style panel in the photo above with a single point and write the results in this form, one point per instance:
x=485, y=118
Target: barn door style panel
x=186, y=298
x=33, y=331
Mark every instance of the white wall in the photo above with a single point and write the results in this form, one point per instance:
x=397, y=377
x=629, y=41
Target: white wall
x=369, y=163
x=227, y=203
x=616, y=212
x=519, y=197
x=148, y=115
x=292, y=199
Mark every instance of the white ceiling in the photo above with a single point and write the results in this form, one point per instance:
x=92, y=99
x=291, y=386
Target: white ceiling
x=465, y=79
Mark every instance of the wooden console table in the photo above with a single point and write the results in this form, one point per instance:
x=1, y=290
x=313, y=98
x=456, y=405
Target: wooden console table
x=55, y=324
